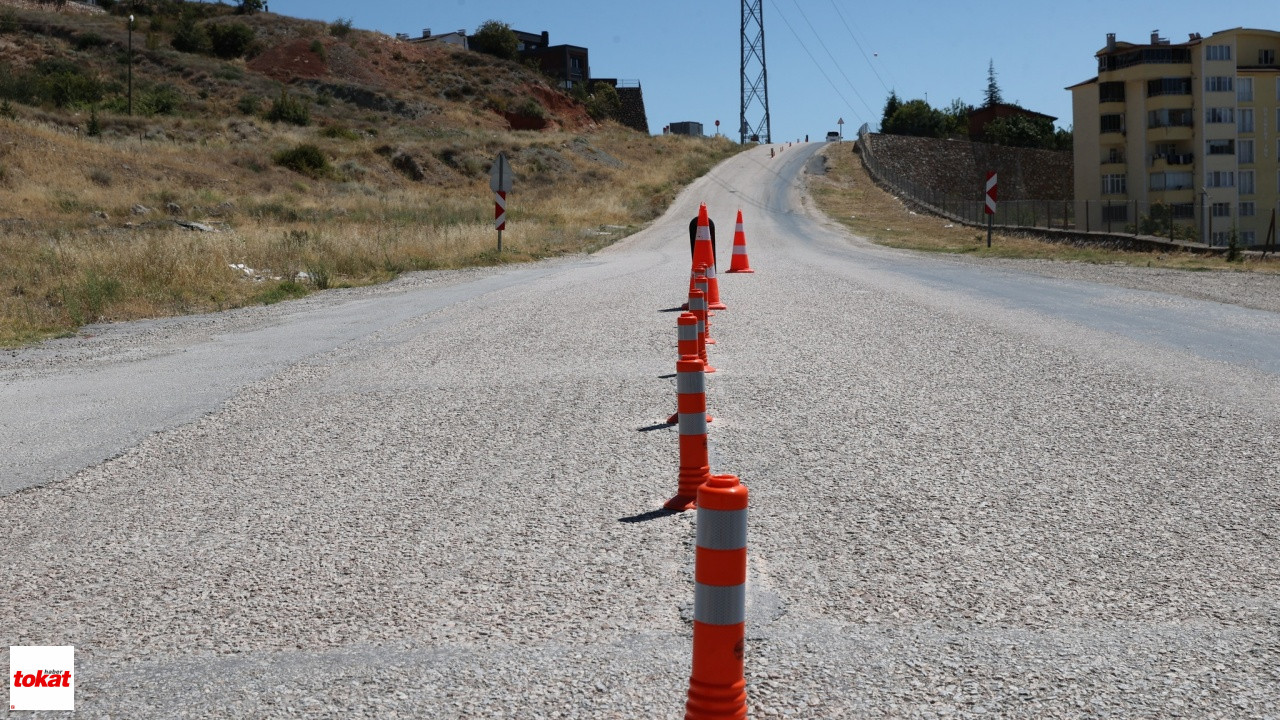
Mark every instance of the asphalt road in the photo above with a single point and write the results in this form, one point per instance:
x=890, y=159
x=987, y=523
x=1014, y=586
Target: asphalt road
x=975, y=492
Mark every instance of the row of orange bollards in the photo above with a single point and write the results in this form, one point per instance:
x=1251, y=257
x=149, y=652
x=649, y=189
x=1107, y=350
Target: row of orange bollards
x=717, y=684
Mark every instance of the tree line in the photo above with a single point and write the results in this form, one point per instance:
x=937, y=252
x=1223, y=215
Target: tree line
x=918, y=118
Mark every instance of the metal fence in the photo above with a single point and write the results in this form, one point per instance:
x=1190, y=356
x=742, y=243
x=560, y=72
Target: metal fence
x=1179, y=223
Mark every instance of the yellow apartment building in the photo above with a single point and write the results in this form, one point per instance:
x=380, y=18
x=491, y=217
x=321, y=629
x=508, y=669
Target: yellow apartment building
x=1193, y=127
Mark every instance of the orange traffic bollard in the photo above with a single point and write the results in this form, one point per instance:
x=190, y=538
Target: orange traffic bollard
x=691, y=408
x=704, y=254
x=686, y=344
x=698, y=306
x=700, y=282
x=740, y=262
x=717, y=685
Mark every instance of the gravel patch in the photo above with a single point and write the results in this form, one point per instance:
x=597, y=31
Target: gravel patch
x=957, y=511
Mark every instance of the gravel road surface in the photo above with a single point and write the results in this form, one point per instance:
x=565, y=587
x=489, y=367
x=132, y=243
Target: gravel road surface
x=977, y=490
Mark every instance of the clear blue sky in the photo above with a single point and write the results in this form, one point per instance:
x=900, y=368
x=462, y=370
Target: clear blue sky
x=827, y=59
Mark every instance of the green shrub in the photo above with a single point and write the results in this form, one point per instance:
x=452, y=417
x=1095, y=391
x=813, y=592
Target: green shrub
x=305, y=159
x=161, y=99
x=340, y=27
x=65, y=84
x=94, y=128
x=289, y=110
x=249, y=104
x=340, y=132
x=317, y=48
x=89, y=40
x=190, y=36
x=284, y=291
x=230, y=40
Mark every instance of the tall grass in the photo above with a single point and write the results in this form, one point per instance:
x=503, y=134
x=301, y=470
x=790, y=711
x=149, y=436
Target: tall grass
x=67, y=265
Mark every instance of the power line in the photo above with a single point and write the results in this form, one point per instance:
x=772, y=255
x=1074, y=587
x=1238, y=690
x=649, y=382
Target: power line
x=854, y=38
x=834, y=62
x=819, y=65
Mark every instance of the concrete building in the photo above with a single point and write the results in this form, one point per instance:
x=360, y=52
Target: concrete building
x=687, y=127
x=1188, y=130
x=457, y=37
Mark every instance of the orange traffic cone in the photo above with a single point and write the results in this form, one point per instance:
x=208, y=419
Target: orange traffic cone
x=704, y=254
x=686, y=344
x=717, y=684
x=691, y=411
x=740, y=262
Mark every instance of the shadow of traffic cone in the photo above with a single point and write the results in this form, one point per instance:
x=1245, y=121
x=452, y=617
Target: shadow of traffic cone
x=740, y=262
x=717, y=683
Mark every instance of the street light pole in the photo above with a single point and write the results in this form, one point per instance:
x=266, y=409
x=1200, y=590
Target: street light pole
x=130, y=65
x=1204, y=216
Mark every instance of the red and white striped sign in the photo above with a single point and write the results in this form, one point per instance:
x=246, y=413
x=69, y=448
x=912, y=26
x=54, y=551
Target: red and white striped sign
x=500, y=210
x=991, y=193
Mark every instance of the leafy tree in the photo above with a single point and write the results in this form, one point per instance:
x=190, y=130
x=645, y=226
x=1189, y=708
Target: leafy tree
x=916, y=118
x=497, y=39
x=1063, y=140
x=958, y=117
x=993, y=96
x=1021, y=131
x=230, y=40
x=890, y=107
x=249, y=7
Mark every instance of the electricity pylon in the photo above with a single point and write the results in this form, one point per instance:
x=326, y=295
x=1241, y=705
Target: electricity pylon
x=755, y=78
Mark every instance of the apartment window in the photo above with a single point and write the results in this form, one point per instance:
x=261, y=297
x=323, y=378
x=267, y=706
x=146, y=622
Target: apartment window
x=1113, y=184
x=1112, y=123
x=1219, y=115
x=1244, y=121
x=1183, y=211
x=1244, y=151
x=1110, y=92
x=1114, y=155
x=1220, y=147
x=1221, y=237
x=1169, y=118
x=1171, y=181
x=1169, y=86
x=1218, y=83
x=1221, y=209
x=1244, y=89
x=1217, y=52
x=1220, y=178
x=1248, y=238
x=1246, y=182
x=1248, y=209
x=1266, y=57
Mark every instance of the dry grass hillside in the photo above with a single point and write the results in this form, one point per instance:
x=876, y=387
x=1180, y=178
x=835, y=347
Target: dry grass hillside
x=322, y=156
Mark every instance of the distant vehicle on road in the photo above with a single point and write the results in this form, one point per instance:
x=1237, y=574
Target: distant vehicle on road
x=832, y=136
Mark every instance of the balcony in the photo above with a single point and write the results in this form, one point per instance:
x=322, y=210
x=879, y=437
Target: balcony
x=1162, y=161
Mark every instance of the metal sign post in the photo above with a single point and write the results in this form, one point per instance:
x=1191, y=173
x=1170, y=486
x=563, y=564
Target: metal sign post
x=990, y=208
x=500, y=181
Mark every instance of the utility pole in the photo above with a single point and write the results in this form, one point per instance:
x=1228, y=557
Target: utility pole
x=131, y=65
x=754, y=84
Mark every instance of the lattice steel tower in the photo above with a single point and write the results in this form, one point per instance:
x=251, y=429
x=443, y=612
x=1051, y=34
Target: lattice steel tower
x=755, y=79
